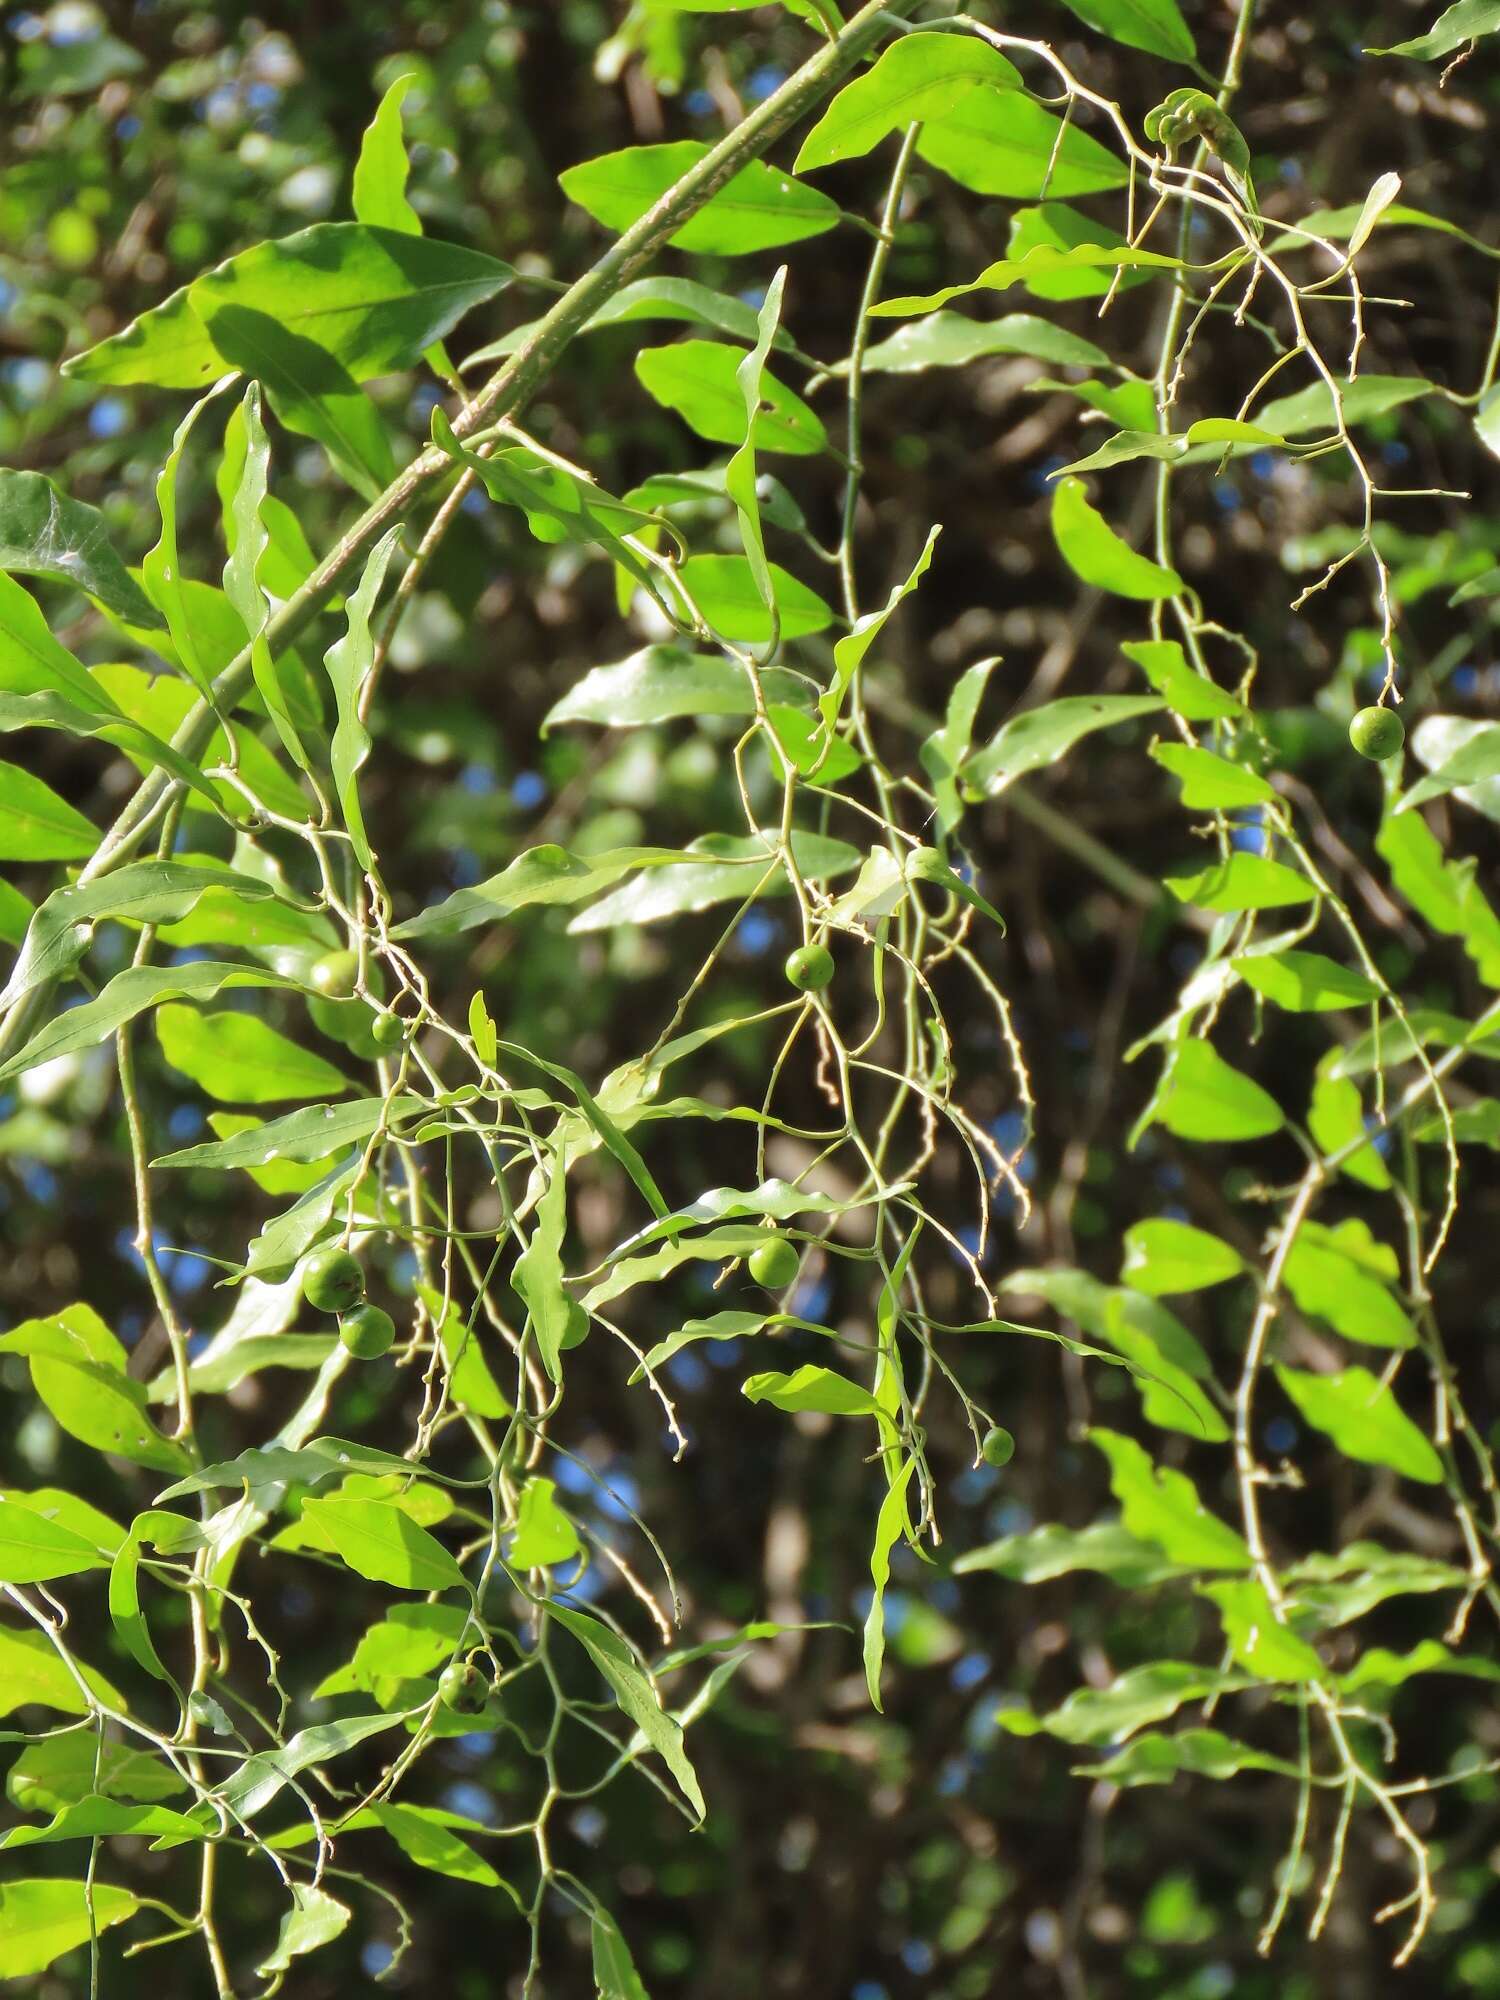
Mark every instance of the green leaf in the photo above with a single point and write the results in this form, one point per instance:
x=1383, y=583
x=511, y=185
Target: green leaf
x=1258, y=1636
x=811, y=1388
x=315, y=1919
x=33, y=1672
x=679, y=299
x=724, y=590
x=1333, y=1589
x=1335, y=1116
x=1162, y=1507
x=1474, y=760
x=1040, y=736
x=239, y=1059
x=1329, y=1283
x=379, y=196
x=380, y=1540
x=1055, y=226
x=410, y=1641
x=890, y=1524
x=32, y=661
x=1210, y=783
x=305, y=1135
x=1243, y=882
x=66, y=1510
x=424, y=1836
x=1305, y=982
x=697, y=379
x=544, y=1534
x=1046, y=268
x=1164, y=1256
x=78, y=1371
x=95, y=1817
x=348, y=662
x=41, y=1920
x=1051, y=1551
x=918, y=78
x=1205, y=1753
x=310, y=389
x=45, y=533
x=537, y=1276
x=36, y=825
x=1144, y=1694
x=1381, y=1668
x=373, y=299
x=724, y=868
x=952, y=340
x=615, y=1976
x=637, y=1696
x=1363, y=1419
x=741, y=476
x=946, y=750
x=758, y=209
x=130, y=993
x=1002, y=142
x=161, y=566
x=1173, y=447
x=1204, y=1097
x=1456, y=25
x=1445, y=893
x=1190, y=694
x=54, y=1772
x=1156, y=26
x=850, y=651
x=1094, y=552
x=661, y=683
x=251, y=1788
x=251, y=540
x=34, y=1548
x=1363, y=400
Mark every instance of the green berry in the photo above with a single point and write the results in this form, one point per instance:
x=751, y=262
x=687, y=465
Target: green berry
x=389, y=1030
x=367, y=1332
x=810, y=967
x=1377, y=733
x=463, y=1688
x=998, y=1448
x=332, y=1280
x=775, y=1263
x=335, y=974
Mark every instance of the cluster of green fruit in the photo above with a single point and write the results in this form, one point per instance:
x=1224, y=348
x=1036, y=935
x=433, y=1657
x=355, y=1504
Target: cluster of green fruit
x=335, y=978
x=332, y=1282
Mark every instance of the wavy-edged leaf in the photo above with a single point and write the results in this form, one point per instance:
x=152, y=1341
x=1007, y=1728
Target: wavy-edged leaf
x=1040, y=736
x=1162, y=1507
x=919, y=77
x=759, y=208
x=633, y=1690
x=44, y=532
x=1364, y=1420
x=1095, y=553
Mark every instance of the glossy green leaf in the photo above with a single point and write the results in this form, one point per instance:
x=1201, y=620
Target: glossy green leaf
x=1040, y=736
x=1172, y=448
x=1204, y=1753
x=32, y=1671
x=952, y=340
x=161, y=566
x=633, y=1690
x=1045, y=268
x=918, y=78
x=78, y=1371
x=240, y=1059
x=1002, y=142
x=1107, y=1715
x=1381, y=1668
x=1305, y=982
x=1204, y=1097
x=1210, y=783
x=1363, y=1419
x=723, y=588
x=615, y=1976
x=1456, y=25
x=946, y=750
x=1095, y=553
x=1445, y=893
x=661, y=683
x=697, y=378
x=46, y=533
x=381, y=1541
x=1043, y=1553
x=1335, y=1117
x=310, y=389
x=1328, y=1282
x=315, y=1919
x=1190, y=694
x=1363, y=400
x=261, y=1778
x=1156, y=26
x=34, y=1548
x=1164, y=1256
x=811, y=1388
x=537, y=1276
x=425, y=1837
x=36, y=825
x=40, y=1920
x=682, y=299
x=1243, y=882
x=730, y=868
x=94, y=1817
x=299, y=1135
x=130, y=993
x=1472, y=762
x=1162, y=1507
x=850, y=651
x=546, y=875
x=348, y=662
x=890, y=1524
x=759, y=208
x=544, y=1534
x=1259, y=1637
x=373, y=299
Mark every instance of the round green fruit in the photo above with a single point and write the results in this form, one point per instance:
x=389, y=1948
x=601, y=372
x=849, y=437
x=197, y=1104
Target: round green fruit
x=998, y=1448
x=463, y=1688
x=1377, y=733
x=810, y=967
x=367, y=1332
x=388, y=1031
x=335, y=974
x=775, y=1263
x=332, y=1280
